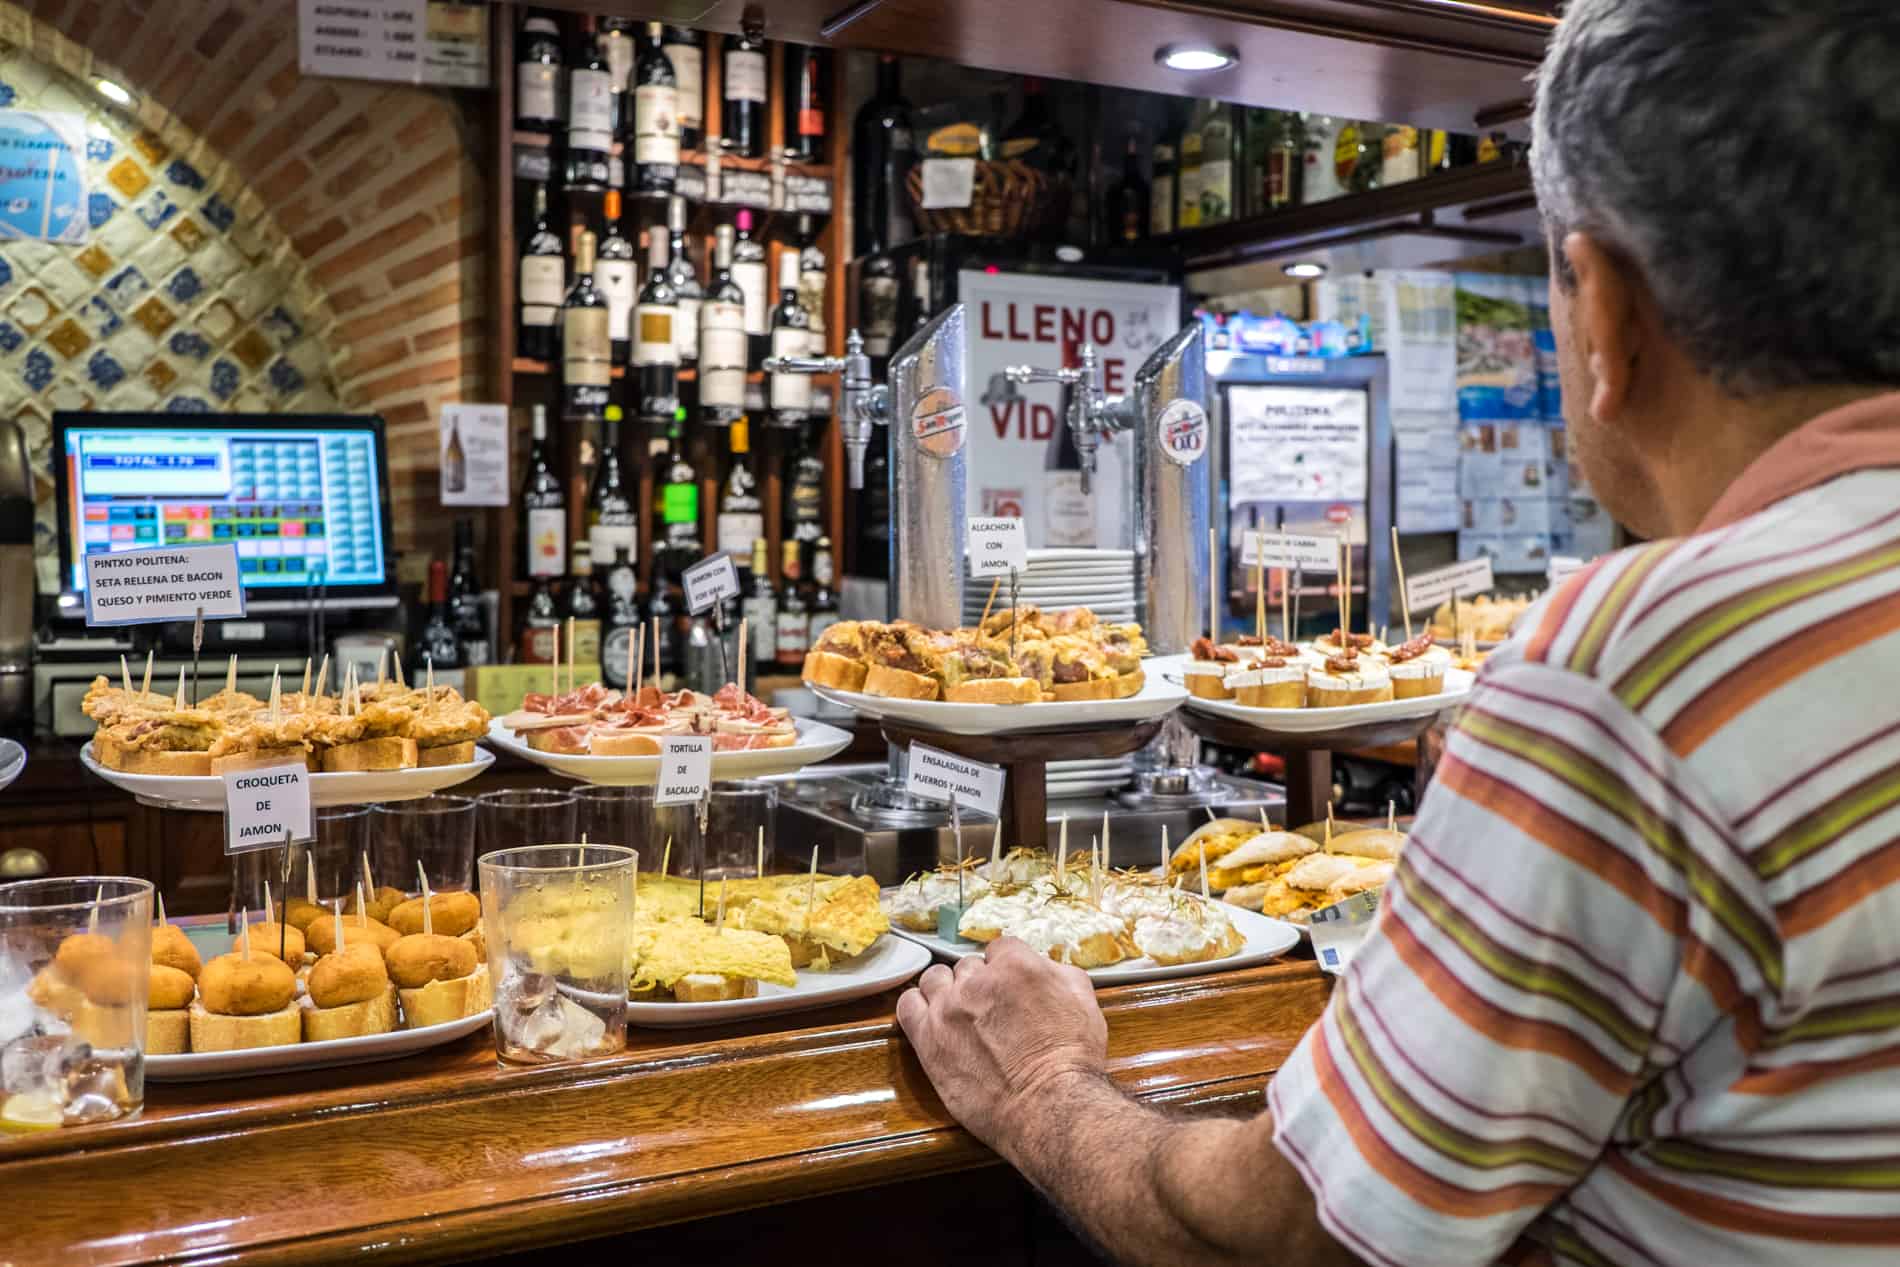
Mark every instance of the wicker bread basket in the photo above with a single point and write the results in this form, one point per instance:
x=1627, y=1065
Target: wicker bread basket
x=1009, y=199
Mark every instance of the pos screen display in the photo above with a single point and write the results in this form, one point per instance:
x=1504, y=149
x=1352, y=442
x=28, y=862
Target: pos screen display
x=302, y=497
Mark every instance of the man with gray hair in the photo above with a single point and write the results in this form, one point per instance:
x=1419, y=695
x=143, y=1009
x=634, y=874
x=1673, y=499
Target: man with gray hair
x=1631, y=996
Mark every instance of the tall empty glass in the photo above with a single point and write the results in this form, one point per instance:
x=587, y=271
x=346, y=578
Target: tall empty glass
x=739, y=817
x=342, y=836
x=558, y=920
x=528, y=816
x=612, y=815
x=437, y=832
x=75, y=959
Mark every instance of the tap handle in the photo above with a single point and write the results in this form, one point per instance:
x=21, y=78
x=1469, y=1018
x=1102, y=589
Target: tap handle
x=804, y=364
x=1036, y=374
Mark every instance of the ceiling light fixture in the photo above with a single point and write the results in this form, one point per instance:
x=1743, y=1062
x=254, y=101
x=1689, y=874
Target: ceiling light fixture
x=114, y=93
x=1196, y=57
x=1305, y=270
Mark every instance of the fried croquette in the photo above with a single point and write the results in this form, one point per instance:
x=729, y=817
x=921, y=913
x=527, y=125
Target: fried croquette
x=232, y=985
x=353, y=975
x=172, y=949
x=170, y=988
x=421, y=958
x=321, y=935
x=452, y=914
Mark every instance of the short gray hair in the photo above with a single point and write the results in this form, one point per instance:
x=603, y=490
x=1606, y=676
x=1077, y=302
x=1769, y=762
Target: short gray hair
x=1745, y=156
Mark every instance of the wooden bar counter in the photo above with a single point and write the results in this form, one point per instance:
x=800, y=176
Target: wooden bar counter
x=445, y=1156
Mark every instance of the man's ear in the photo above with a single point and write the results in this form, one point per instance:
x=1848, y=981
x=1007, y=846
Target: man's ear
x=1606, y=322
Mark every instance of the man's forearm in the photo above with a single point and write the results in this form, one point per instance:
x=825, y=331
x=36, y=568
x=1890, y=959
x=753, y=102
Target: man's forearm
x=1150, y=1188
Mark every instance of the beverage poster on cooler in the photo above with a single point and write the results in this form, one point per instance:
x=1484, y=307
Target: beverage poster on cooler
x=1021, y=457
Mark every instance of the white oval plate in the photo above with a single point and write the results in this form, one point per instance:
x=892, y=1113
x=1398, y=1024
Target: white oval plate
x=203, y=1066
x=1312, y=721
x=1081, y=554
x=12, y=762
x=889, y=962
x=1267, y=940
x=205, y=792
x=816, y=741
x=1156, y=698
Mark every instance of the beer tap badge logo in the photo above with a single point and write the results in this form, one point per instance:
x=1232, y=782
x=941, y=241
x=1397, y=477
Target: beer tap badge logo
x=1181, y=431
x=937, y=420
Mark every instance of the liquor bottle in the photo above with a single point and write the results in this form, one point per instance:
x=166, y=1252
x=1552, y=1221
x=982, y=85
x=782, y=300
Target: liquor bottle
x=760, y=606
x=1128, y=200
x=882, y=152
x=586, y=349
x=466, y=615
x=539, y=619
x=1161, y=191
x=1402, y=158
x=791, y=336
x=662, y=617
x=437, y=641
x=616, y=273
x=743, y=81
x=590, y=119
x=685, y=280
x=811, y=279
x=612, y=519
x=686, y=49
x=804, y=513
x=620, y=45
x=804, y=103
x=1035, y=137
x=748, y=269
x=656, y=349
x=1188, y=213
x=1217, y=165
x=542, y=281
x=877, y=305
x=538, y=76
x=1319, y=158
x=824, y=595
x=656, y=122
x=543, y=508
x=741, y=517
x=722, y=338
x=454, y=460
x=621, y=622
x=582, y=608
x=1358, y=155
x=792, y=629
x=1285, y=168
x=1068, y=515
x=679, y=508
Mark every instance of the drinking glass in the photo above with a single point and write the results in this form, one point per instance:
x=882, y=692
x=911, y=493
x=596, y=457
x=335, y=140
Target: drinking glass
x=75, y=957
x=436, y=831
x=558, y=920
x=529, y=816
x=342, y=836
x=729, y=847
x=613, y=815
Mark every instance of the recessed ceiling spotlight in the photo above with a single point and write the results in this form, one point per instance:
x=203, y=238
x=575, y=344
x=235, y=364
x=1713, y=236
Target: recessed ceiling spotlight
x=1196, y=57
x=112, y=92
x=1305, y=269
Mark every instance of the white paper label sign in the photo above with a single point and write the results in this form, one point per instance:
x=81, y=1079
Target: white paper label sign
x=266, y=808
x=1563, y=567
x=948, y=182
x=998, y=546
x=936, y=775
x=1290, y=550
x=711, y=580
x=1461, y=580
x=685, y=770
x=148, y=587
x=1340, y=928
x=474, y=448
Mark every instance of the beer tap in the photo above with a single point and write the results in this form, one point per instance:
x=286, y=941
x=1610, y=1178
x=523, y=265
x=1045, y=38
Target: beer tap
x=864, y=404
x=1093, y=413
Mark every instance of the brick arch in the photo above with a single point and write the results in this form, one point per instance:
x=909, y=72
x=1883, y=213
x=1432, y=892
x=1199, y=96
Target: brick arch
x=367, y=191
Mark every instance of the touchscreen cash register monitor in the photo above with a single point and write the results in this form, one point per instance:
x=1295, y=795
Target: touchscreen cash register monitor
x=303, y=496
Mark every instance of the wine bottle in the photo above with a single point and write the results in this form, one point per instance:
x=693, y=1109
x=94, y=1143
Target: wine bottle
x=686, y=49
x=466, y=614
x=811, y=279
x=1217, y=165
x=824, y=594
x=792, y=637
x=877, y=305
x=617, y=275
x=748, y=269
x=611, y=516
x=542, y=282
x=679, y=508
x=760, y=606
x=743, y=79
x=543, y=508
x=882, y=152
x=620, y=45
x=804, y=103
x=538, y=76
x=722, y=340
x=586, y=349
x=618, y=630
x=454, y=460
x=590, y=119
x=741, y=515
x=1128, y=200
x=791, y=336
x=804, y=516
x=685, y=279
x=662, y=618
x=539, y=619
x=656, y=136
x=656, y=352
x=1161, y=191
x=582, y=606
x=437, y=641
x=1188, y=210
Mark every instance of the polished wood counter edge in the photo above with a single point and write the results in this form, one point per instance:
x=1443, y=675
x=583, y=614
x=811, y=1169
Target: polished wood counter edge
x=445, y=1154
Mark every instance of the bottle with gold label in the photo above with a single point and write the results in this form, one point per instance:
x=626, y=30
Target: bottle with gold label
x=586, y=342
x=656, y=353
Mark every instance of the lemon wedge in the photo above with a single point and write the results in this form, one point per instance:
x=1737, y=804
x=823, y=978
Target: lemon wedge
x=23, y=1113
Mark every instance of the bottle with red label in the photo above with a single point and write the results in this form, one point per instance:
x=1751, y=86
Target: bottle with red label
x=804, y=103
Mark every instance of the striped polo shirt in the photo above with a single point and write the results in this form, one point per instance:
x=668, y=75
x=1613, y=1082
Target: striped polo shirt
x=1634, y=992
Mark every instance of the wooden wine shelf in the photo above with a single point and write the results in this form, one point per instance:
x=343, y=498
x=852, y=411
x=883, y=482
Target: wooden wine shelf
x=697, y=158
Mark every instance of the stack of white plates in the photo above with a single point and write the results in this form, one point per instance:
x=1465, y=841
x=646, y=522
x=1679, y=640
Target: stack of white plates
x=1089, y=778
x=1101, y=580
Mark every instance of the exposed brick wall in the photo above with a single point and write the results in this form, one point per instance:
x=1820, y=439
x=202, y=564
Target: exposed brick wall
x=367, y=195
